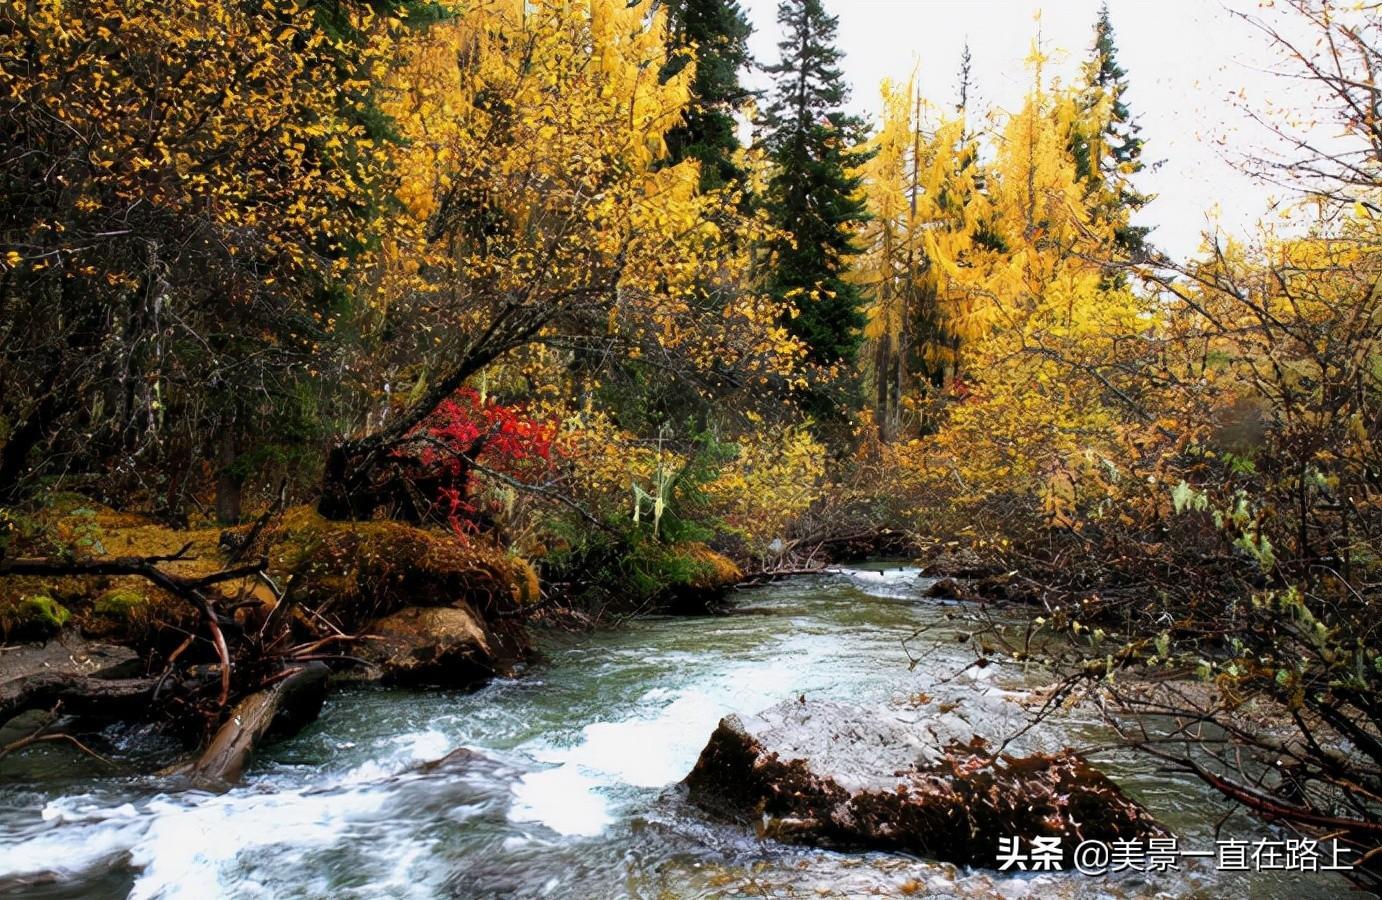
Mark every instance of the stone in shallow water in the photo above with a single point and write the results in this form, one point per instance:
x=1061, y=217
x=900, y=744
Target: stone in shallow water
x=829, y=773
x=450, y=646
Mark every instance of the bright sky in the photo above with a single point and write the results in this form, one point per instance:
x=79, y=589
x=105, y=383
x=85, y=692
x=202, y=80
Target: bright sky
x=1185, y=59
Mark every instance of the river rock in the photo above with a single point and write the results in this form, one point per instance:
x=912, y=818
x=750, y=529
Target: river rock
x=832, y=774
x=450, y=646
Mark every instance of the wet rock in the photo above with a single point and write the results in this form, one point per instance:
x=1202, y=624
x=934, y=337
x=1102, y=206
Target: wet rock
x=951, y=589
x=828, y=773
x=459, y=760
x=991, y=588
x=450, y=646
x=87, y=677
x=27, y=723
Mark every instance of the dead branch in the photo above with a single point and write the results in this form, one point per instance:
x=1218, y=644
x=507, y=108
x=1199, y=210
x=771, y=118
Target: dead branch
x=192, y=590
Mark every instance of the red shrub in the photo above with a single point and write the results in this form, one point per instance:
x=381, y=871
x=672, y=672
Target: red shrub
x=465, y=430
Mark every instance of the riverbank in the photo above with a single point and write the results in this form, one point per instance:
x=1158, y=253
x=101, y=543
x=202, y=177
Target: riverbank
x=209, y=635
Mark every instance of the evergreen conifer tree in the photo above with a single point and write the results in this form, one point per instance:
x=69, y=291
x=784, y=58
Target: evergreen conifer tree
x=715, y=34
x=1106, y=143
x=812, y=195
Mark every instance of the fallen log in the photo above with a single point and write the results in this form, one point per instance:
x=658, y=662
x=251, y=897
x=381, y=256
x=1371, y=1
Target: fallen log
x=86, y=677
x=112, y=698
x=283, y=707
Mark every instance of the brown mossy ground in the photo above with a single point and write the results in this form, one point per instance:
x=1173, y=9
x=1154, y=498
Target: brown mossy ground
x=354, y=572
x=380, y=600
x=349, y=572
x=127, y=610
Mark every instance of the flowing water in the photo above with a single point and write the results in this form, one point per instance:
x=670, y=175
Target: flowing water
x=577, y=795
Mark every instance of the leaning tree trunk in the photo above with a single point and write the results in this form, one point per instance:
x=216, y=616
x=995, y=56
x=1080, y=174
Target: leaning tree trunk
x=287, y=704
x=361, y=475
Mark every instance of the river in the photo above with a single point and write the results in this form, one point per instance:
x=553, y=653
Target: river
x=577, y=798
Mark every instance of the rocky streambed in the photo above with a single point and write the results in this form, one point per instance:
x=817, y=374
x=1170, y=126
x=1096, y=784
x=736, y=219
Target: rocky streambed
x=569, y=779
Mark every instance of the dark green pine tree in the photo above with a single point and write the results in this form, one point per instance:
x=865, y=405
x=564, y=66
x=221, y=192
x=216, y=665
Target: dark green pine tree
x=811, y=195
x=715, y=34
x=1108, y=177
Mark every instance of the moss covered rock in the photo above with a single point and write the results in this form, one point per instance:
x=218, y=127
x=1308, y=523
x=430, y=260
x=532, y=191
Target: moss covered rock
x=710, y=571
x=356, y=572
x=439, y=609
x=31, y=617
x=700, y=578
x=123, y=613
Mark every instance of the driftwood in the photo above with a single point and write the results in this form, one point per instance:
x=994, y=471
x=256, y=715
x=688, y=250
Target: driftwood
x=296, y=698
x=769, y=575
x=41, y=735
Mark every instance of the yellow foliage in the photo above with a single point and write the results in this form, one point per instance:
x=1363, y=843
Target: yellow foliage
x=234, y=115
x=774, y=479
x=714, y=571
x=1024, y=313
x=531, y=174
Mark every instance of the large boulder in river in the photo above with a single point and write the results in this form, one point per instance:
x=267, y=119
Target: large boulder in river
x=832, y=774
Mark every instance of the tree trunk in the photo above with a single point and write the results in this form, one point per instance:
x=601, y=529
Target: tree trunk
x=78, y=693
x=14, y=456
x=229, y=483
x=286, y=707
x=882, y=376
x=354, y=481
x=899, y=375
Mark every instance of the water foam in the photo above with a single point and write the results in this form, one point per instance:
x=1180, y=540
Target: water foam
x=902, y=582
x=654, y=750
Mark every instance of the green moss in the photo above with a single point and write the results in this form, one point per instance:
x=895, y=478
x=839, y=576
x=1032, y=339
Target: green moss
x=32, y=617
x=652, y=568
x=120, y=603
x=127, y=614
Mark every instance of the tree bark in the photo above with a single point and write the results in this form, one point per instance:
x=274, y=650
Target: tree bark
x=297, y=698
x=14, y=456
x=229, y=483
x=883, y=375
x=79, y=693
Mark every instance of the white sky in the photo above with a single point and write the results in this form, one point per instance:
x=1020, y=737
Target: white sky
x=1185, y=59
